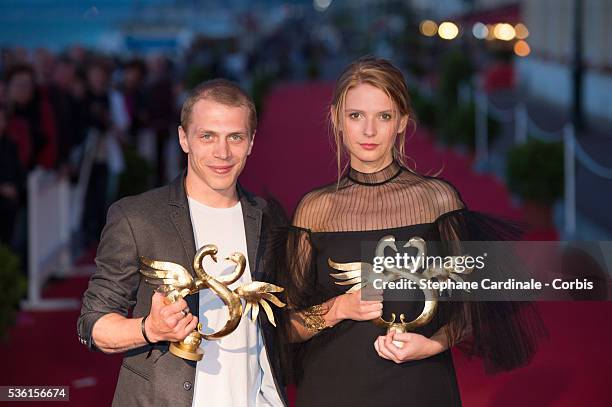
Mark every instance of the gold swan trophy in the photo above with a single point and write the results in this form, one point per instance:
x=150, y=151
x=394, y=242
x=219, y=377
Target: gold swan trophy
x=361, y=274
x=176, y=282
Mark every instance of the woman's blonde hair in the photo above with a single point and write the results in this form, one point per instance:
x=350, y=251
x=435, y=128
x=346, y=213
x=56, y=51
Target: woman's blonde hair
x=379, y=73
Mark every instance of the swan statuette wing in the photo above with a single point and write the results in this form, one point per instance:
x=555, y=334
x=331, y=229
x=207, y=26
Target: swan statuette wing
x=352, y=274
x=170, y=278
x=255, y=294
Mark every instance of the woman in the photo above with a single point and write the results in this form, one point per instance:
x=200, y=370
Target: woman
x=342, y=358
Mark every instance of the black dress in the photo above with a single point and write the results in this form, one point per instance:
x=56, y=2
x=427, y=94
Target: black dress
x=341, y=222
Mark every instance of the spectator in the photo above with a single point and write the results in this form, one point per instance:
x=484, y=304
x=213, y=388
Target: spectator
x=134, y=94
x=24, y=115
x=11, y=182
x=69, y=111
x=161, y=107
x=102, y=121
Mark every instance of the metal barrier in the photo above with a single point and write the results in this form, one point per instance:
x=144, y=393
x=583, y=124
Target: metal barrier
x=54, y=215
x=525, y=127
x=48, y=237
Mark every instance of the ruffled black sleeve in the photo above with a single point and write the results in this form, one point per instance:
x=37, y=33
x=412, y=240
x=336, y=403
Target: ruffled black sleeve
x=295, y=267
x=503, y=333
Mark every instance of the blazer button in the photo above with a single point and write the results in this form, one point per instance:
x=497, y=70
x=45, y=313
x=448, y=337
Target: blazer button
x=187, y=385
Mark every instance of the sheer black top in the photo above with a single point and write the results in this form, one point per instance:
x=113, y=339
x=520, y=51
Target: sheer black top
x=341, y=222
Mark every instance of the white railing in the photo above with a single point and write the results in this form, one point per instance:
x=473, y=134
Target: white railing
x=48, y=236
x=54, y=215
x=78, y=194
x=525, y=127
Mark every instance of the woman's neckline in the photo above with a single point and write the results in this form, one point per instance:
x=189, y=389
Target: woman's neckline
x=375, y=178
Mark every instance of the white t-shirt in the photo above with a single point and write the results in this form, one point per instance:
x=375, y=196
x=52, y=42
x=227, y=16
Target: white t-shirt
x=235, y=370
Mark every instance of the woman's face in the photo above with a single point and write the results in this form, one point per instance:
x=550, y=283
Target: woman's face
x=371, y=123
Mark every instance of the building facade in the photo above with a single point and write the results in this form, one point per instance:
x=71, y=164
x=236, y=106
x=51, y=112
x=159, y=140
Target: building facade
x=547, y=72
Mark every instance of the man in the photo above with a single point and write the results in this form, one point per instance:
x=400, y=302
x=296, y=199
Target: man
x=12, y=178
x=206, y=205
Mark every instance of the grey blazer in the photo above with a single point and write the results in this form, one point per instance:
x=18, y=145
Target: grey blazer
x=157, y=224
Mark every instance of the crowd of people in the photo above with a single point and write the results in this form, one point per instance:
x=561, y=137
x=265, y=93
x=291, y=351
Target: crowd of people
x=55, y=105
x=51, y=104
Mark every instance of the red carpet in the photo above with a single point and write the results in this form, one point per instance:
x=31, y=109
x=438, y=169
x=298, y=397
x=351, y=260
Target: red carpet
x=43, y=349
x=292, y=155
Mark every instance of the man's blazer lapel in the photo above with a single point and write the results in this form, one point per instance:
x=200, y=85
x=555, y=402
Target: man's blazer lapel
x=179, y=215
x=252, y=226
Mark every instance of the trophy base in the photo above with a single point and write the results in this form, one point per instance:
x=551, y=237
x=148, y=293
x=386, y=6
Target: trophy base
x=398, y=328
x=190, y=354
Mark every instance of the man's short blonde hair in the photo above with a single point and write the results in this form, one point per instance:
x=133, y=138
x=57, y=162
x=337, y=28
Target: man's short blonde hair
x=221, y=91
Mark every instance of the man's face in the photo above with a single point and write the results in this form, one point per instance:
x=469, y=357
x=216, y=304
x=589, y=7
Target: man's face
x=64, y=74
x=217, y=144
x=97, y=79
x=21, y=88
